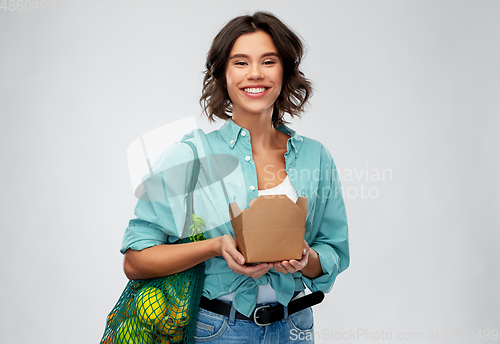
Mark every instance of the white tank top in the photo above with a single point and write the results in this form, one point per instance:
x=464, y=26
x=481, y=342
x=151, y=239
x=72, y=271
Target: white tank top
x=285, y=188
x=265, y=293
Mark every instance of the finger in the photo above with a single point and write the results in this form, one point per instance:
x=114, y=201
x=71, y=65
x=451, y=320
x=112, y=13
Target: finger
x=279, y=268
x=289, y=268
x=297, y=265
x=231, y=263
x=252, y=270
x=238, y=257
x=284, y=267
x=306, y=248
x=231, y=250
x=261, y=272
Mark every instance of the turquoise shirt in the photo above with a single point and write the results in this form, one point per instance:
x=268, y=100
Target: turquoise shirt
x=228, y=174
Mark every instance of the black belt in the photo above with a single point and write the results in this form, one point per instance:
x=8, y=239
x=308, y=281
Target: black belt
x=265, y=314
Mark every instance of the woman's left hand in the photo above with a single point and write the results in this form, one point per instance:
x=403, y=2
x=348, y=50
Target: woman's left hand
x=293, y=265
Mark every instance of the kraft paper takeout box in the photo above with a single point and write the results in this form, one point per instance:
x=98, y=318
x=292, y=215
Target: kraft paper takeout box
x=271, y=229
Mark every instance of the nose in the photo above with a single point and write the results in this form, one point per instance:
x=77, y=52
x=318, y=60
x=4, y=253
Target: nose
x=255, y=72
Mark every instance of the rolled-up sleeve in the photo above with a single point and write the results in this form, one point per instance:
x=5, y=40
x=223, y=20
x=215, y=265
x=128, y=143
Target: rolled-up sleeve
x=330, y=225
x=160, y=211
x=141, y=234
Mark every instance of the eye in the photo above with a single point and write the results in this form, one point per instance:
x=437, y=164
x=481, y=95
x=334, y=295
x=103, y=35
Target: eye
x=240, y=63
x=269, y=62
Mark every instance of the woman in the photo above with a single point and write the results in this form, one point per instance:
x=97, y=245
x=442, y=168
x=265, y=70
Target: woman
x=252, y=80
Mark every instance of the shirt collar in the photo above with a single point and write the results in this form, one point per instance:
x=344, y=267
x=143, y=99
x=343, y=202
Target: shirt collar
x=230, y=132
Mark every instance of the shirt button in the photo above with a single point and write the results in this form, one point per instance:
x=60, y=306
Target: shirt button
x=247, y=158
x=243, y=133
x=231, y=142
x=252, y=187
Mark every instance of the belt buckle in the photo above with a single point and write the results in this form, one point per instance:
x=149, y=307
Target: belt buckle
x=255, y=316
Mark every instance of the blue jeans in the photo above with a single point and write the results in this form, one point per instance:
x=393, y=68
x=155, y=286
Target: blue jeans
x=219, y=329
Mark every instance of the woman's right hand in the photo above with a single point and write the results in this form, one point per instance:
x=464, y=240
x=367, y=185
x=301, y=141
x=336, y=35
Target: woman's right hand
x=236, y=261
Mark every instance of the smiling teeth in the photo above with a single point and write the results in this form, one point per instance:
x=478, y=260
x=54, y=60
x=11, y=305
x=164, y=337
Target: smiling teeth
x=254, y=90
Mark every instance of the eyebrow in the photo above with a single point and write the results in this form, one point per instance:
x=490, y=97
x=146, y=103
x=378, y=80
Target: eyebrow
x=246, y=56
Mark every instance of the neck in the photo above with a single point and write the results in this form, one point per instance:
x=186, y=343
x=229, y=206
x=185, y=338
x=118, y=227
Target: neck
x=261, y=129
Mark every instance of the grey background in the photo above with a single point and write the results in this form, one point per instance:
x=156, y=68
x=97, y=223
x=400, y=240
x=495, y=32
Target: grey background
x=410, y=87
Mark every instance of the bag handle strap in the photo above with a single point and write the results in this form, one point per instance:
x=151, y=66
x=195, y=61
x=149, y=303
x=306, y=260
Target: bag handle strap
x=191, y=186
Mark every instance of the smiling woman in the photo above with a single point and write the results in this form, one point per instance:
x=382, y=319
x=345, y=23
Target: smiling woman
x=252, y=80
x=283, y=47
x=253, y=75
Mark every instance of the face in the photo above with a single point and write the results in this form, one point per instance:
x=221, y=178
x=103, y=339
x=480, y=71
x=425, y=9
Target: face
x=254, y=74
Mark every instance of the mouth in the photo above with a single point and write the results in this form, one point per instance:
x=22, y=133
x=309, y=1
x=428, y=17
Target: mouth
x=255, y=90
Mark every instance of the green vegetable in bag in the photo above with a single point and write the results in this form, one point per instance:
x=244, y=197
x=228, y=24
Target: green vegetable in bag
x=151, y=305
x=157, y=311
x=131, y=331
x=161, y=310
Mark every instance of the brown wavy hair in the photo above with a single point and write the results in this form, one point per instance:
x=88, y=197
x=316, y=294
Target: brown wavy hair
x=295, y=90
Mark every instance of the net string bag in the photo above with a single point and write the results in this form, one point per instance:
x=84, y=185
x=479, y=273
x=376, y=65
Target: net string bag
x=162, y=310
